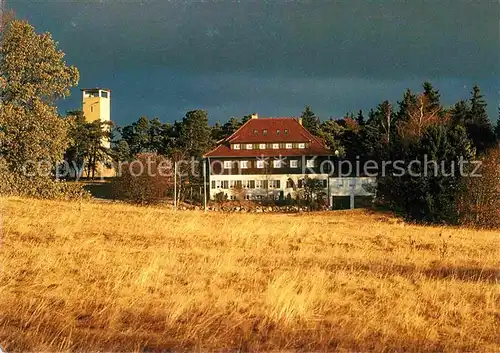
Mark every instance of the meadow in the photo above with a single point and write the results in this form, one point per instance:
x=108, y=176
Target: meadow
x=112, y=277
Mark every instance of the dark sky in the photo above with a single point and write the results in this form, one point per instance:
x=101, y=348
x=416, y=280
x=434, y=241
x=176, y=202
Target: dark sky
x=164, y=58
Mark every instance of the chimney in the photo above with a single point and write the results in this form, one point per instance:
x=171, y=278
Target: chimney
x=254, y=116
x=300, y=121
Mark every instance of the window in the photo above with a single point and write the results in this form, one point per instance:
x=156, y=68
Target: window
x=276, y=184
x=276, y=146
x=255, y=132
x=310, y=163
x=245, y=184
x=231, y=184
x=289, y=146
x=225, y=184
x=285, y=131
x=290, y=183
x=228, y=165
x=262, y=146
x=302, y=145
x=104, y=94
x=258, y=184
x=260, y=164
x=236, y=146
x=213, y=184
x=244, y=164
x=300, y=183
x=277, y=131
x=251, y=185
x=264, y=132
x=238, y=184
x=294, y=163
x=325, y=182
x=247, y=197
x=265, y=184
x=249, y=146
x=277, y=163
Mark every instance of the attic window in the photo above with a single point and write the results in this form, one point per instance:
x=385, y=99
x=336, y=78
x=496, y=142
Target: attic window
x=285, y=131
x=277, y=132
x=255, y=132
x=264, y=132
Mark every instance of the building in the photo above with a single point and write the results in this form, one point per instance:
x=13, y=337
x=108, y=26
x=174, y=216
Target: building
x=96, y=106
x=270, y=158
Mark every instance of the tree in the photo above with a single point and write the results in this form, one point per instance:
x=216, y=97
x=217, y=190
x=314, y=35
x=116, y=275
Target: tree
x=310, y=121
x=460, y=113
x=409, y=99
x=497, y=129
x=432, y=97
x=230, y=127
x=146, y=180
x=479, y=199
x=478, y=125
x=33, y=138
x=420, y=114
x=360, y=119
x=331, y=132
x=430, y=191
x=314, y=191
x=194, y=134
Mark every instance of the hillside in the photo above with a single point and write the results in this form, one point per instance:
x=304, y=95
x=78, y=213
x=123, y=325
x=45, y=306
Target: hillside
x=98, y=276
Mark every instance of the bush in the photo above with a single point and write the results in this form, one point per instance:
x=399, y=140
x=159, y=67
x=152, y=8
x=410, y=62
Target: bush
x=220, y=197
x=41, y=187
x=146, y=180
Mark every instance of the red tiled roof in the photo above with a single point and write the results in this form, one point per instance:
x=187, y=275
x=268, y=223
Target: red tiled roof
x=253, y=132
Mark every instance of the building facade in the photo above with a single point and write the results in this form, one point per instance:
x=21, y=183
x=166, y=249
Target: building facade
x=271, y=158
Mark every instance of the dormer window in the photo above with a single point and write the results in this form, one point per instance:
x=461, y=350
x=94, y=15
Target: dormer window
x=277, y=131
x=236, y=146
x=264, y=132
x=302, y=146
x=276, y=146
x=288, y=146
x=285, y=131
x=255, y=131
x=262, y=146
x=249, y=146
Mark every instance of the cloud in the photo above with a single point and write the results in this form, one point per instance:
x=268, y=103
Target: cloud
x=355, y=38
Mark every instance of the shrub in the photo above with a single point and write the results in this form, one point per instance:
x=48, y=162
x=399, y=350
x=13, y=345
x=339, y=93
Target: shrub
x=146, y=180
x=41, y=187
x=220, y=197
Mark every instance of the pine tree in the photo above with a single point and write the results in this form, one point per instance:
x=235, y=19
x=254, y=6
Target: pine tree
x=360, y=119
x=433, y=97
x=409, y=99
x=310, y=121
x=195, y=135
x=497, y=127
x=460, y=113
x=478, y=125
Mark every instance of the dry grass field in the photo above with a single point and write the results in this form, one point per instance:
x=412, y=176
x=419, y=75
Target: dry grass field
x=113, y=277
